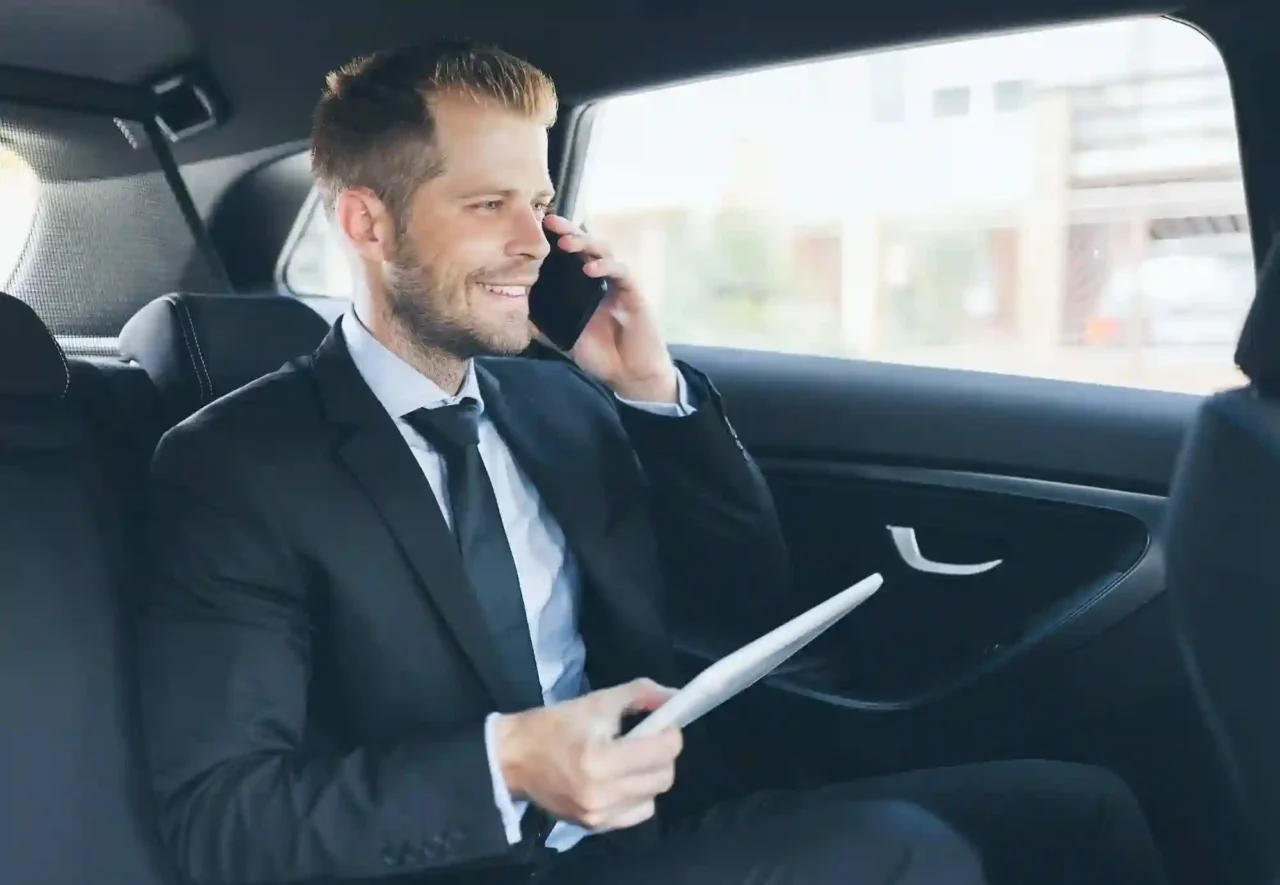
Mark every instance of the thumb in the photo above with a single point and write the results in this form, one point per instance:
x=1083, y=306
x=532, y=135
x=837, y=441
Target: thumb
x=641, y=695
x=611, y=704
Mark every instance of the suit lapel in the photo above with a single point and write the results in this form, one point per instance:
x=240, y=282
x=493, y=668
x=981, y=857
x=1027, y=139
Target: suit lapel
x=561, y=464
x=371, y=448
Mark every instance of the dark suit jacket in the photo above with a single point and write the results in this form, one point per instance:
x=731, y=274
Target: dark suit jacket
x=315, y=672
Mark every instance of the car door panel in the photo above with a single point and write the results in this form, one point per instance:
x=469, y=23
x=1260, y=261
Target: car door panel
x=1063, y=483
x=1071, y=561
x=851, y=410
x=1058, y=483
x=1062, y=651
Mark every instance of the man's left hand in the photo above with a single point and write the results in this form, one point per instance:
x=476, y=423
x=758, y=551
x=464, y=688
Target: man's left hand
x=621, y=345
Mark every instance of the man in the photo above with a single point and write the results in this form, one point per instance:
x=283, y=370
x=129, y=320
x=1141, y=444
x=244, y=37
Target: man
x=408, y=587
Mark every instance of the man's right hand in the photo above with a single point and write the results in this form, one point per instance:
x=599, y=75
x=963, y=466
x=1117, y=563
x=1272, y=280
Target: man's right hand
x=566, y=759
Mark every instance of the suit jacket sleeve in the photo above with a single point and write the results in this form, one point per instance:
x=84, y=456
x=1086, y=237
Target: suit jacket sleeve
x=713, y=513
x=245, y=793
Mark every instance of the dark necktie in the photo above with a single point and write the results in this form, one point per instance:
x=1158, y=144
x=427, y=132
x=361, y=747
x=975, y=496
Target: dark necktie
x=482, y=540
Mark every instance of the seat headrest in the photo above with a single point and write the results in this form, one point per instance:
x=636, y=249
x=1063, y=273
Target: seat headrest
x=31, y=361
x=198, y=347
x=1258, y=353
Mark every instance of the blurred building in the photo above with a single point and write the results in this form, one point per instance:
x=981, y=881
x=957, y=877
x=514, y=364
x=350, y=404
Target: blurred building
x=1016, y=197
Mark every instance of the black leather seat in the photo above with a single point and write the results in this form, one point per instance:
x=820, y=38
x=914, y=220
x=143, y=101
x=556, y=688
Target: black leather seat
x=73, y=807
x=197, y=348
x=1222, y=538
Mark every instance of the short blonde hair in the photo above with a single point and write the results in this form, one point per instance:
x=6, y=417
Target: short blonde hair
x=373, y=126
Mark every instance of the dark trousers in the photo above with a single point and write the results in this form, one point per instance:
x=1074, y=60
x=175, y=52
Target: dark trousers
x=814, y=838
x=1002, y=823
x=1047, y=823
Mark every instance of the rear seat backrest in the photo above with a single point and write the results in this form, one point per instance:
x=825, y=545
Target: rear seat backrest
x=1223, y=575
x=73, y=807
x=1258, y=352
x=198, y=347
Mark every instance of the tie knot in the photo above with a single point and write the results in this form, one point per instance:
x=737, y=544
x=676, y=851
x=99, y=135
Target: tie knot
x=453, y=426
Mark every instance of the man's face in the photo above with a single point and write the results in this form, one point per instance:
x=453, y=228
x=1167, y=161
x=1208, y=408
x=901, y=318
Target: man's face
x=473, y=241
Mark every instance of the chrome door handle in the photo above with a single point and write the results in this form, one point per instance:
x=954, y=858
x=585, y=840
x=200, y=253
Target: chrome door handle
x=909, y=549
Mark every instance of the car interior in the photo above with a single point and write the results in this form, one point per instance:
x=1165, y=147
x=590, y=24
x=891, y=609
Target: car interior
x=892, y=235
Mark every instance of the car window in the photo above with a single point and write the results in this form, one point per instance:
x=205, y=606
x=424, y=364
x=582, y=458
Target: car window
x=19, y=192
x=315, y=264
x=1064, y=202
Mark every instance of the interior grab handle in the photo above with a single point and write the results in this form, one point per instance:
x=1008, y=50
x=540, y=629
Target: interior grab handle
x=904, y=539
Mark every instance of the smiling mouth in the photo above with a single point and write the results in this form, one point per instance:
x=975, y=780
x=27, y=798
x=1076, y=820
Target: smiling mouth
x=508, y=291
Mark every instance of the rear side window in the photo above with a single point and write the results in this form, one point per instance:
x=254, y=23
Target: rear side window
x=314, y=263
x=19, y=191
x=1062, y=203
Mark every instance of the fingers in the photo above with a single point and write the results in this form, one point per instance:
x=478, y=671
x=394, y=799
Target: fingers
x=649, y=784
x=589, y=247
x=637, y=815
x=619, y=817
x=627, y=802
x=582, y=773
x=618, y=760
x=616, y=781
x=602, y=710
x=558, y=224
x=644, y=695
x=606, y=267
x=637, y=696
x=574, y=239
x=598, y=258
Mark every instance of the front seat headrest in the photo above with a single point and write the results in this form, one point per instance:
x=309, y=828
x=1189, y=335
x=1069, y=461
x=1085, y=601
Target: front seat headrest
x=1258, y=353
x=31, y=360
x=196, y=348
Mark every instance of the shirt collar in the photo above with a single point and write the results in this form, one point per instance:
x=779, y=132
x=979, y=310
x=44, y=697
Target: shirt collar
x=397, y=385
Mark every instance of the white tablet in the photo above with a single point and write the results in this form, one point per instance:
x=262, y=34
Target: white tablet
x=751, y=663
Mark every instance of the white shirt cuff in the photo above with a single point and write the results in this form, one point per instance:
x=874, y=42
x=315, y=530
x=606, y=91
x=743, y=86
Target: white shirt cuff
x=676, y=409
x=510, y=810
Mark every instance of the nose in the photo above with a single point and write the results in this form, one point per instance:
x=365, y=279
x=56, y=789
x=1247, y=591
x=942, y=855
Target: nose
x=529, y=238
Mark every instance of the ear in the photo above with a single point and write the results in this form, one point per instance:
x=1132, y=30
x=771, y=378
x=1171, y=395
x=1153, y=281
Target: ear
x=366, y=223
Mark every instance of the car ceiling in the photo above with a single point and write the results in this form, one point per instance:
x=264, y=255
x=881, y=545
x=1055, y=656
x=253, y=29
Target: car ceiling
x=269, y=56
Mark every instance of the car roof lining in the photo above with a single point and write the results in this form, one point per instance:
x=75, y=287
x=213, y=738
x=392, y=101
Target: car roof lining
x=269, y=57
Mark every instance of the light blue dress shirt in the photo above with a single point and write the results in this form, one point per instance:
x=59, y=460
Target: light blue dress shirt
x=549, y=577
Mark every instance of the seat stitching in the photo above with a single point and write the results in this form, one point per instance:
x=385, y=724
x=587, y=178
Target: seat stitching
x=187, y=347
x=195, y=337
x=192, y=343
x=66, y=369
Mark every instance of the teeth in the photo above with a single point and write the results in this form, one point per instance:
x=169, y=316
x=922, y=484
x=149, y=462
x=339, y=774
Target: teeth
x=507, y=290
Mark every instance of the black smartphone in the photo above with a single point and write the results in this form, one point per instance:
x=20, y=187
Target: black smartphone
x=563, y=299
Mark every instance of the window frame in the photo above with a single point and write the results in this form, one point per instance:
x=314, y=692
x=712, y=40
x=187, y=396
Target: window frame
x=579, y=149
x=298, y=230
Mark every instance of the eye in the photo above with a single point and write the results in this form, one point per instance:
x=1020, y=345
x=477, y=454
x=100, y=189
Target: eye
x=489, y=205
